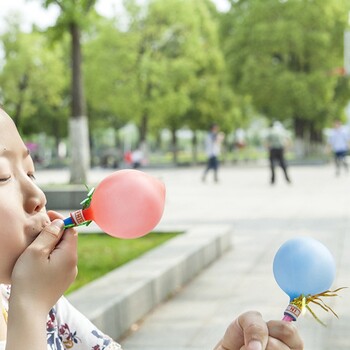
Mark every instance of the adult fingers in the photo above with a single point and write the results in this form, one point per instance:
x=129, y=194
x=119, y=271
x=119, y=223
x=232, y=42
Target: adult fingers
x=254, y=329
x=286, y=333
x=248, y=331
x=275, y=344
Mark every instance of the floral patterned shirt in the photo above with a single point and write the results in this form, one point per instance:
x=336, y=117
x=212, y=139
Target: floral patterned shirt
x=67, y=328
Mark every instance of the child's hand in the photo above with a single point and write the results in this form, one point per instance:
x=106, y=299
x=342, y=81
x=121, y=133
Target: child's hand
x=250, y=332
x=40, y=277
x=47, y=267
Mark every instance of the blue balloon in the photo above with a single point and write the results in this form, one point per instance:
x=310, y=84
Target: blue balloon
x=303, y=266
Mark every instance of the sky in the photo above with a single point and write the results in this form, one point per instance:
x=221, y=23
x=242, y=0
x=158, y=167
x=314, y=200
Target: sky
x=31, y=12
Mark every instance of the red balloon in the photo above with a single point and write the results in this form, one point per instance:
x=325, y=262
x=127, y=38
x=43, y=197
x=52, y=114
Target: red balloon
x=126, y=204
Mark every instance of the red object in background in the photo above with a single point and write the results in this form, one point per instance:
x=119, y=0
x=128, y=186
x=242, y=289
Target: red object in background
x=128, y=157
x=338, y=71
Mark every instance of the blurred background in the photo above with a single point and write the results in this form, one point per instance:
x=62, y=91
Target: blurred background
x=99, y=85
x=89, y=82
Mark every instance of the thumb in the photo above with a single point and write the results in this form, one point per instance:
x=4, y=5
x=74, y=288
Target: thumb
x=49, y=237
x=254, y=330
x=248, y=332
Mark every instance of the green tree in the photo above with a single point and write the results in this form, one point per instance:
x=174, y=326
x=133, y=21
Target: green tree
x=282, y=54
x=180, y=65
x=74, y=16
x=33, y=75
x=111, y=86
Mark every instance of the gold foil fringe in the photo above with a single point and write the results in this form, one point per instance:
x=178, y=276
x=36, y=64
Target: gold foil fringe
x=302, y=302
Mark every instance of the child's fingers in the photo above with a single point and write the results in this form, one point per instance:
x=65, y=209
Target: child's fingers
x=67, y=246
x=66, y=253
x=54, y=215
x=49, y=237
x=68, y=243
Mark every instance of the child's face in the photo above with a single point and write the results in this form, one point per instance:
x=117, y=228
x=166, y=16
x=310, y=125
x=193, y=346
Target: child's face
x=22, y=203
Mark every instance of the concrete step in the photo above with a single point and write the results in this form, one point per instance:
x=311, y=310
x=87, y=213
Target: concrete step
x=122, y=297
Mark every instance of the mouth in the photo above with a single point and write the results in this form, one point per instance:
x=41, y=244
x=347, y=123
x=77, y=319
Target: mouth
x=37, y=223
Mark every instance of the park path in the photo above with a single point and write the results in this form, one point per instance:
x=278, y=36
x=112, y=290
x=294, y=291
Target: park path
x=316, y=204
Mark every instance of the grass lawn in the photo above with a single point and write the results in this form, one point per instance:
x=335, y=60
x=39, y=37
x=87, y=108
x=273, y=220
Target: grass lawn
x=100, y=253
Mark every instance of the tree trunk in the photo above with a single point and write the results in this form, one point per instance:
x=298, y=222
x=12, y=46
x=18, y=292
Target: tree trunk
x=194, y=147
x=22, y=86
x=299, y=142
x=315, y=134
x=80, y=149
x=143, y=129
x=174, y=145
x=78, y=124
x=299, y=128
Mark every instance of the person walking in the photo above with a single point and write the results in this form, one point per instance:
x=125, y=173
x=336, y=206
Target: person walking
x=137, y=158
x=339, y=143
x=212, y=146
x=276, y=142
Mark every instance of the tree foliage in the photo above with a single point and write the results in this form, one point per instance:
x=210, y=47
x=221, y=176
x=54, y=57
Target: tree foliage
x=180, y=66
x=178, y=63
x=109, y=70
x=33, y=82
x=72, y=19
x=284, y=55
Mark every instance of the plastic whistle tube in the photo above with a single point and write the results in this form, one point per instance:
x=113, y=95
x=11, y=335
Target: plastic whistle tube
x=288, y=318
x=291, y=313
x=68, y=222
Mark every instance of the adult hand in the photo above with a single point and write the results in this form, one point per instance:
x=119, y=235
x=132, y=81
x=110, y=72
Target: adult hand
x=250, y=332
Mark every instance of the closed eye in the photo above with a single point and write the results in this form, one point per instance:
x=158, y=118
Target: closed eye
x=5, y=178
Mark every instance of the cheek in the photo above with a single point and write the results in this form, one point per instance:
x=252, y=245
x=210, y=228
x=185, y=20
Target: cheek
x=11, y=221
x=11, y=247
x=12, y=239
x=11, y=205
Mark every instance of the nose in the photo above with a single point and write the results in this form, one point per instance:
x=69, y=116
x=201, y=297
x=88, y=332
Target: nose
x=34, y=197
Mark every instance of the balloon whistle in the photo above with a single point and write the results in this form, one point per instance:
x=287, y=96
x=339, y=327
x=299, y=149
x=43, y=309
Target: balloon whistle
x=304, y=269
x=126, y=204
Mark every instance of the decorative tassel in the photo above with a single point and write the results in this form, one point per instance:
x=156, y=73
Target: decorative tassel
x=301, y=304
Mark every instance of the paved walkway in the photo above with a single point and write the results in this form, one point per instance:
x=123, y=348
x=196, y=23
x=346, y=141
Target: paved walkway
x=317, y=204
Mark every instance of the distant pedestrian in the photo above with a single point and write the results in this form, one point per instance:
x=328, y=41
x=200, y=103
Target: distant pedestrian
x=137, y=158
x=276, y=141
x=213, y=146
x=339, y=143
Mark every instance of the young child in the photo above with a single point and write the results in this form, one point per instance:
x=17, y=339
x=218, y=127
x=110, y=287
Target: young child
x=38, y=258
